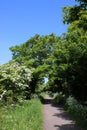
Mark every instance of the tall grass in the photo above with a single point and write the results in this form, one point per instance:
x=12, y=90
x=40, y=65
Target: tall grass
x=25, y=117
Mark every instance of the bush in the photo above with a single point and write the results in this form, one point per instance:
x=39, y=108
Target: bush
x=59, y=98
x=78, y=111
x=71, y=103
x=14, y=79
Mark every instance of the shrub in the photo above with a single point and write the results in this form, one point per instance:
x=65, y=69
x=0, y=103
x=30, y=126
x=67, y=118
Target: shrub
x=77, y=110
x=71, y=103
x=59, y=98
x=15, y=80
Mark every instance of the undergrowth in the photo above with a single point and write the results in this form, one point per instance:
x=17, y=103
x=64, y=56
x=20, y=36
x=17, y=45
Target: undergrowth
x=77, y=110
x=27, y=116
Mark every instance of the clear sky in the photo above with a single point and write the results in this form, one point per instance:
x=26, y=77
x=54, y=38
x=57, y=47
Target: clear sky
x=21, y=19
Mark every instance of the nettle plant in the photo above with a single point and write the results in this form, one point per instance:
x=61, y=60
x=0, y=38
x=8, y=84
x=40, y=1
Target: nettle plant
x=14, y=80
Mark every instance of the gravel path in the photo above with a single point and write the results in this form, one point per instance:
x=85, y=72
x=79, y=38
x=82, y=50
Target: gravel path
x=55, y=118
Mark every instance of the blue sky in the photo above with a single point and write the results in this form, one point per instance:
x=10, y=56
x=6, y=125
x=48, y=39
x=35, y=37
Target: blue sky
x=21, y=19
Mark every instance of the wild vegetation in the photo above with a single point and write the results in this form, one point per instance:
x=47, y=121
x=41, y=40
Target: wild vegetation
x=61, y=59
x=25, y=116
x=75, y=108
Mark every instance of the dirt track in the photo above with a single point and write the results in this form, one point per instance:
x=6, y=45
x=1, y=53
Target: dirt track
x=55, y=118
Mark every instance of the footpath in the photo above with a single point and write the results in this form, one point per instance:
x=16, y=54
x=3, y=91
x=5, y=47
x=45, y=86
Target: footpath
x=55, y=118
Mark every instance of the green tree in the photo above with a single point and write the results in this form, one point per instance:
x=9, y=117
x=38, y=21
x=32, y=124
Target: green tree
x=72, y=13
x=68, y=73
x=70, y=55
x=35, y=53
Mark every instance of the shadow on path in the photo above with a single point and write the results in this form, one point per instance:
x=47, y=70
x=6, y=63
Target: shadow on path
x=66, y=127
x=55, y=118
x=63, y=115
x=46, y=100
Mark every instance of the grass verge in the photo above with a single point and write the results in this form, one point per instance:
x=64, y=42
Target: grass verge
x=25, y=117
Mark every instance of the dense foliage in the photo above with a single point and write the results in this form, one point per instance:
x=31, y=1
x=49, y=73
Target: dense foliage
x=35, y=53
x=69, y=71
x=62, y=59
